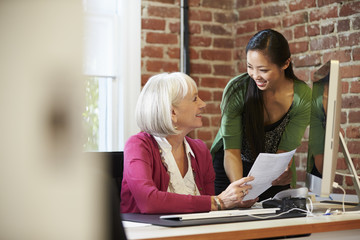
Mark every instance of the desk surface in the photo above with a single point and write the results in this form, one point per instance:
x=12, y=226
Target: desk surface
x=248, y=230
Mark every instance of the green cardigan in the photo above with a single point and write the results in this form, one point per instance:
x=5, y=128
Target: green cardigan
x=230, y=133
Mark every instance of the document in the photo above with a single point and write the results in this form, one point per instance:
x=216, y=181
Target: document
x=267, y=168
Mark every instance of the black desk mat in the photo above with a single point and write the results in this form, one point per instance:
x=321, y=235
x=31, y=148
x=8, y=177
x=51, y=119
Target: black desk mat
x=155, y=219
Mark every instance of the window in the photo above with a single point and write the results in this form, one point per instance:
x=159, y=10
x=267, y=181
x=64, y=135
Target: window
x=112, y=29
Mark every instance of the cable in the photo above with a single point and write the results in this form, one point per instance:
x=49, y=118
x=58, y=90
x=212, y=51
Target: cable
x=346, y=174
x=336, y=185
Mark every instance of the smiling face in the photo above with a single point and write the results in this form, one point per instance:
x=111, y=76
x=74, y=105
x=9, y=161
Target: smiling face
x=186, y=115
x=266, y=74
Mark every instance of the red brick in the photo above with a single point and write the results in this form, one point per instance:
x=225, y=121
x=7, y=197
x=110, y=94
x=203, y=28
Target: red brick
x=298, y=47
x=274, y=10
x=145, y=78
x=223, y=55
x=345, y=87
x=302, y=74
x=204, y=135
x=301, y=5
x=216, y=29
x=343, y=25
x=293, y=19
x=307, y=60
x=246, y=27
x=198, y=15
x=250, y=13
x=194, y=28
x=218, y=95
x=173, y=52
x=349, y=8
x=322, y=3
x=299, y=31
x=349, y=39
x=273, y=23
x=354, y=117
x=162, y=66
x=164, y=12
x=224, y=70
x=223, y=4
x=165, y=38
x=212, y=108
x=226, y=17
x=313, y=30
x=356, y=23
x=224, y=43
x=193, y=54
x=350, y=71
x=323, y=43
x=199, y=41
x=353, y=147
x=174, y=27
x=341, y=55
x=327, y=29
x=350, y=102
x=323, y=13
x=356, y=54
x=153, y=24
x=213, y=82
x=205, y=95
x=353, y=132
x=215, y=121
x=200, y=68
x=355, y=87
x=152, y=51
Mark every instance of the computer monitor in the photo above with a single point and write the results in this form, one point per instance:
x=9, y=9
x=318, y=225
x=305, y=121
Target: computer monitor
x=324, y=134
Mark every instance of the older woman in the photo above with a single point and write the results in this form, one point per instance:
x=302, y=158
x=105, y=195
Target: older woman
x=164, y=170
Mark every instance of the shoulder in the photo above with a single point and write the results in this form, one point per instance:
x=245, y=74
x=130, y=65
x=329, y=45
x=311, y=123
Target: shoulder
x=141, y=139
x=302, y=92
x=301, y=88
x=197, y=145
x=241, y=80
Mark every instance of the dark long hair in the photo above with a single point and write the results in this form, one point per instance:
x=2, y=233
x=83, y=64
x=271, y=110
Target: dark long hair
x=273, y=45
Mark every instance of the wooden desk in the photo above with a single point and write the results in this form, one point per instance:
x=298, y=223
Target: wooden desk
x=250, y=230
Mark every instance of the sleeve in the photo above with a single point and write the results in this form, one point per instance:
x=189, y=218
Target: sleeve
x=232, y=107
x=206, y=169
x=140, y=173
x=299, y=118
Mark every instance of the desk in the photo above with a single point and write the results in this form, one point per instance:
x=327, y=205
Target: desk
x=252, y=230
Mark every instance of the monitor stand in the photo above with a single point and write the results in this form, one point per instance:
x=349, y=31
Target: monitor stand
x=352, y=171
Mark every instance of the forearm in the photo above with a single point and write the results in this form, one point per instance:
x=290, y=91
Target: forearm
x=233, y=164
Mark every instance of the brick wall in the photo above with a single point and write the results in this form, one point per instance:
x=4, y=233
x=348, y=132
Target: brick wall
x=317, y=30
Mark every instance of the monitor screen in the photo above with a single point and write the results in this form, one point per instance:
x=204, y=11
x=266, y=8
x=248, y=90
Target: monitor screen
x=324, y=129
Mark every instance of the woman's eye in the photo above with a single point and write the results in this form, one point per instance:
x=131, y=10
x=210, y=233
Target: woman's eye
x=195, y=99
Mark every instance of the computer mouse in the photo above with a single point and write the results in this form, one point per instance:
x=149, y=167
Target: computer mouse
x=272, y=203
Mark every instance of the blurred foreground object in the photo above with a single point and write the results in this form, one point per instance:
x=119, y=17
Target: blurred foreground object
x=48, y=189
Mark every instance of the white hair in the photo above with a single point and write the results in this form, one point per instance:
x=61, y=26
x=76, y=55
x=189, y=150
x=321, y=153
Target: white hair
x=160, y=93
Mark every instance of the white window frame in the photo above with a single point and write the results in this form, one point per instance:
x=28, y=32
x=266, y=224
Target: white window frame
x=118, y=95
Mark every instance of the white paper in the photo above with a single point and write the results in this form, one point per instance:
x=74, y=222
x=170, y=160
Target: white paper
x=267, y=168
x=220, y=214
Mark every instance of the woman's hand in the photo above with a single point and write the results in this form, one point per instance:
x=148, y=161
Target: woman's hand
x=284, y=178
x=233, y=195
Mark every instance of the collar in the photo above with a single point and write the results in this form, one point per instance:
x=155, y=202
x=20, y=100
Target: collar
x=166, y=147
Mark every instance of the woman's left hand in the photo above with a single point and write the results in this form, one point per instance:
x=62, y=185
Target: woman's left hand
x=284, y=178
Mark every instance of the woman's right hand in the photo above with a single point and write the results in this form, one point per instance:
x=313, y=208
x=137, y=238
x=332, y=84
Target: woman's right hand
x=233, y=195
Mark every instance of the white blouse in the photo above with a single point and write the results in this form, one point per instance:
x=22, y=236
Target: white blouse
x=177, y=184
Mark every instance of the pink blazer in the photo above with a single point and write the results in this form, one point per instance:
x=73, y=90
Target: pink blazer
x=145, y=179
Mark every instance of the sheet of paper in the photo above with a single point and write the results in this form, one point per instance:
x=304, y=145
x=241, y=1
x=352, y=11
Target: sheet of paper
x=267, y=167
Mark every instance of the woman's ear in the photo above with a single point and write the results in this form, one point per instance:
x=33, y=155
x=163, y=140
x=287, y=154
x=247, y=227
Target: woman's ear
x=286, y=64
x=173, y=115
